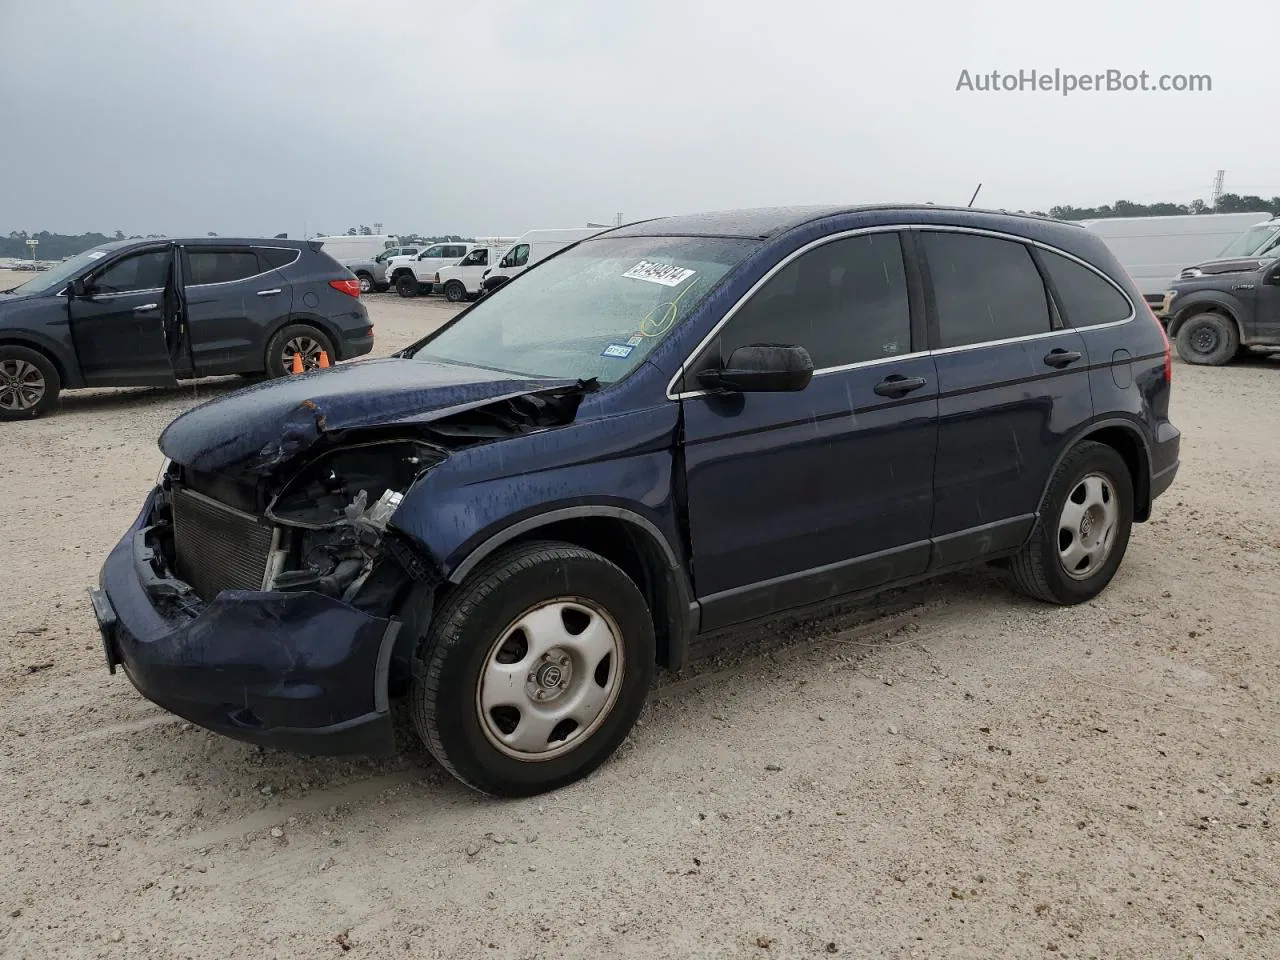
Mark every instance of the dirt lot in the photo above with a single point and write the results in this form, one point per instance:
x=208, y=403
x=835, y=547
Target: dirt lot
x=952, y=771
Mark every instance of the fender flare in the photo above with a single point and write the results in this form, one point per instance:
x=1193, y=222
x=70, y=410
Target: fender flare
x=1142, y=484
x=1197, y=303
x=683, y=615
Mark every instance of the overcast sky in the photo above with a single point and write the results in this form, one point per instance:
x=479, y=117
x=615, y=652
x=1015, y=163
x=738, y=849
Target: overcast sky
x=266, y=116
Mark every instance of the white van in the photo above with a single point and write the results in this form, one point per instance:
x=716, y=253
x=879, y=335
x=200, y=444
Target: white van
x=1154, y=249
x=465, y=279
x=534, y=246
x=357, y=248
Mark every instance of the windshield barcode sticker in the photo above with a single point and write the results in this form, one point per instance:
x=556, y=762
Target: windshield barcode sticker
x=619, y=351
x=664, y=273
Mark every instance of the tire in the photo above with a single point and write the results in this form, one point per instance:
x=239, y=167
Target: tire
x=29, y=384
x=407, y=285
x=1209, y=339
x=366, y=282
x=454, y=291
x=297, y=338
x=475, y=633
x=1052, y=565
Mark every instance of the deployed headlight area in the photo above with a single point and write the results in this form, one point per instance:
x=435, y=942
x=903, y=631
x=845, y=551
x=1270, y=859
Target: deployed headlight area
x=331, y=515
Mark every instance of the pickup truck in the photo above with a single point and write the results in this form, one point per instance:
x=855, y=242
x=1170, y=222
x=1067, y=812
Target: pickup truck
x=1217, y=310
x=465, y=279
x=414, y=275
x=372, y=272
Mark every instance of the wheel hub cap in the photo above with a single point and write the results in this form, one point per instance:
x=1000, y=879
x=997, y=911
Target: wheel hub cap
x=550, y=679
x=1087, y=526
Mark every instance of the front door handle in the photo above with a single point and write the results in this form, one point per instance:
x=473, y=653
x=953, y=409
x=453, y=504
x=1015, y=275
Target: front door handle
x=896, y=385
x=146, y=308
x=1060, y=358
x=269, y=293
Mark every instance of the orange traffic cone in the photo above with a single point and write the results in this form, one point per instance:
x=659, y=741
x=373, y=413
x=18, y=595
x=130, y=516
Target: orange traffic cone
x=324, y=360
x=297, y=363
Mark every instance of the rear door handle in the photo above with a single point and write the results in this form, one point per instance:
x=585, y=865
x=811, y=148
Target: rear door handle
x=1060, y=358
x=896, y=385
x=269, y=293
x=146, y=308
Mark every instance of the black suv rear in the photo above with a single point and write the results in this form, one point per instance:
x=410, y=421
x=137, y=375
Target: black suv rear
x=152, y=312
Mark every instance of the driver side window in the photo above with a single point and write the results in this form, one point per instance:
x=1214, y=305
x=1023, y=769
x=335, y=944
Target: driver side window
x=130, y=274
x=518, y=256
x=844, y=302
x=476, y=258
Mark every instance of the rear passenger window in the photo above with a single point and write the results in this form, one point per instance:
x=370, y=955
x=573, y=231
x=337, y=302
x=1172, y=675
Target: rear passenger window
x=273, y=258
x=844, y=302
x=1085, y=297
x=220, y=266
x=986, y=289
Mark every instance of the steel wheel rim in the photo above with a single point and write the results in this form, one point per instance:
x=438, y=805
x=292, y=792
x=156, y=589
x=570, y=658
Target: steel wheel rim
x=1087, y=526
x=1204, y=338
x=551, y=679
x=22, y=385
x=308, y=347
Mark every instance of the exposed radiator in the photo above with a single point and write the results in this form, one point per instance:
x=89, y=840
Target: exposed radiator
x=218, y=547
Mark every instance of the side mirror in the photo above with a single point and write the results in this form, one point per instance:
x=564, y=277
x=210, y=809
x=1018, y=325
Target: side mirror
x=78, y=288
x=761, y=368
x=1273, y=275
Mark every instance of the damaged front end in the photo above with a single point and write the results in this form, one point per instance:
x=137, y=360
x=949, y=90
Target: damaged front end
x=270, y=599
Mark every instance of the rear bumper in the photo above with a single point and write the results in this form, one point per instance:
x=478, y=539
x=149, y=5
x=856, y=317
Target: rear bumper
x=298, y=671
x=1165, y=458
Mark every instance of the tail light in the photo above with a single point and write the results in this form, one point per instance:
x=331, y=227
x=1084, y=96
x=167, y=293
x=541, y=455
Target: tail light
x=350, y=287
x=1168, y=350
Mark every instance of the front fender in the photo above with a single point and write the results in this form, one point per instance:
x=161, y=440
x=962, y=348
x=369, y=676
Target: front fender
x=1201, y=300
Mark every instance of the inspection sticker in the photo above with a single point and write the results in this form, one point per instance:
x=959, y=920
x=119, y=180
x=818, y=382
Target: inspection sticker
x=617, y=350
x=664, y=273
x=97, y=255
x=636, y=340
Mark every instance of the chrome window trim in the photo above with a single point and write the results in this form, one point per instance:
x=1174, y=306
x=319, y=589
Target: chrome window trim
x=897, y=228
x=223, y=283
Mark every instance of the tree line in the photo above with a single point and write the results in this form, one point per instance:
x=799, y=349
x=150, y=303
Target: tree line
x=55, y=246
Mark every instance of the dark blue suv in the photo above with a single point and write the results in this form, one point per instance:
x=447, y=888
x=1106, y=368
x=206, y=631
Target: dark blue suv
x=137, y=313
x=675, y=428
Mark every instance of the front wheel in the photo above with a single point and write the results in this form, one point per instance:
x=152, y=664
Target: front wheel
x=1083, y=530
x=454, y=291
x=407, y=285
x=534, y=670
x=1208, y=338
x=366, y=282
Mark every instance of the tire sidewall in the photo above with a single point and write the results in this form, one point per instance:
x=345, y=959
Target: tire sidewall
x=459, y=648
x=1228, y=341
x=406, y=285
x=454, y=292
x=52, y=383
x=1090, y=458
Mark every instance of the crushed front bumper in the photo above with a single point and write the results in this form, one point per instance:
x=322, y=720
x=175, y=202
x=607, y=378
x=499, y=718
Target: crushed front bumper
x=299, y=671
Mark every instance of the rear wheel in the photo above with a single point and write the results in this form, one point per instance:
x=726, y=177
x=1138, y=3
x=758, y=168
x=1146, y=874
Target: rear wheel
x=534, y=670
x=297, y=339
x=1208, y=338
x=366, y=282
x=1083, y=530
x=454, y=291
x=29, y=383
x=407, y=285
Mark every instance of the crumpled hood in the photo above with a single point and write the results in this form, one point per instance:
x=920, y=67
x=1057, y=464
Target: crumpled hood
x=255, y=430
x=1237, y=265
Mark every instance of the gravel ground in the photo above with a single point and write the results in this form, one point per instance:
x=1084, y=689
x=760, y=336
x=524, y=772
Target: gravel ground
x=950, y=771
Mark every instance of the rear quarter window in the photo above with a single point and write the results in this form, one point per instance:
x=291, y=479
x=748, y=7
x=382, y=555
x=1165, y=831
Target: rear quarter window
x=273, y=258
x=1085, y=297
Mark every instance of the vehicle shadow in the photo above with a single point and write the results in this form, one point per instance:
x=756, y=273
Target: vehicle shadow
x=112, y=398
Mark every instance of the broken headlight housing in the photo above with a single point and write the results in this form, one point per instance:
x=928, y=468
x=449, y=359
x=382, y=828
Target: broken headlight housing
x=335, y=510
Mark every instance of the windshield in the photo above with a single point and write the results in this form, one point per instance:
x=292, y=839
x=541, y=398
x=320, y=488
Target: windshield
x=594, y=311
x=58, y=275
x=1253, y=242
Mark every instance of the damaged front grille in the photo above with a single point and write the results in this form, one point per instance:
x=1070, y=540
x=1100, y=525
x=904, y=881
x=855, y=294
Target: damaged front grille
x=217, y=547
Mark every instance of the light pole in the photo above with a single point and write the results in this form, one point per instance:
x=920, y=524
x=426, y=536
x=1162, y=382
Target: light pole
x=31, y=245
